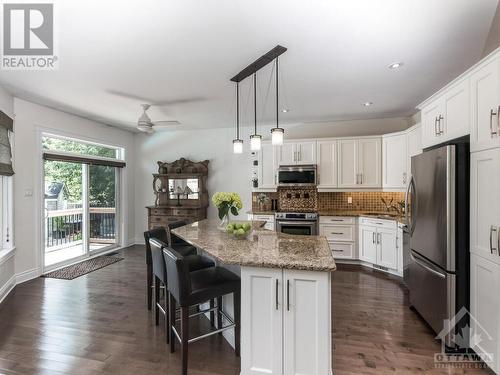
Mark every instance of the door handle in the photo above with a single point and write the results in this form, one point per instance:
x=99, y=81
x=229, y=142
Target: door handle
x=498, y=119
x=277, y=292
x=288, y=295
x=338, y=233
x=439, y=124
x=379, y=238
x=373, y=237
x=492, y=249
x=492, y=113
x=435, y=126
x=427, y=267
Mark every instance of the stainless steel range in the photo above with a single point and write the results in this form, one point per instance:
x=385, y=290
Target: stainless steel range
x=302, y=223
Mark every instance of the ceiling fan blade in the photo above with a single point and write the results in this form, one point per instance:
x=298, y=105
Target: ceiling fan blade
x=157, y=103
x=129, y=96
x=166, y=124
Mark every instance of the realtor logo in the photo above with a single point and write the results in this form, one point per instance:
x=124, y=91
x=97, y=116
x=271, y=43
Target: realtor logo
x=28, y=36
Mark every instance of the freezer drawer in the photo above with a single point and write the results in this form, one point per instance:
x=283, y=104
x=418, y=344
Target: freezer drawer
x=432, y=291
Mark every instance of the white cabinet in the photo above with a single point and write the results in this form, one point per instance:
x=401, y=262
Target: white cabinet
x=414, y=146
x=378, y=243
x=485, y=309
x=297, y=153
x=485, y=106
x=360, y=163
x=485, y=203
x=269, y=219
x=448, y=116
x=267, y=159
x=340, y=231
x=327, y=163
x=394, y=158
x=285, y=322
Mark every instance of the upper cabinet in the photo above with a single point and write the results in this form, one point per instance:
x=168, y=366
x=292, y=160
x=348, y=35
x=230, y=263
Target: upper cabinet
x=267, y=164
x=447, y=116
x=297, y=153
x=485, y=106
x=327, y=164
x=395, y=173
x=360, y=163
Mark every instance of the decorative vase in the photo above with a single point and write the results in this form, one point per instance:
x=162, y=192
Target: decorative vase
x=224, y=222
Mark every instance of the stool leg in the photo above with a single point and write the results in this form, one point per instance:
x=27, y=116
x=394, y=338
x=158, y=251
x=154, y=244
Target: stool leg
x=219, y=315
x=150, y=286
x=167, y=315
x=212, y=315
x=237, y=317
x=184, y=338
x=172, y=322
x=157, y=300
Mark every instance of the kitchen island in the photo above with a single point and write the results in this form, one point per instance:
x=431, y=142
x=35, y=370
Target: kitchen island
x=285, y=296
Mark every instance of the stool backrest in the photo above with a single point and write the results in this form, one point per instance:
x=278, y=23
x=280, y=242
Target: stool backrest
x=159, y=233
x=178, y=280
x=157, y=257
x=172, y=238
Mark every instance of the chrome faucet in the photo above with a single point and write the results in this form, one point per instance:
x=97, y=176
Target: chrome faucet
x=390, y=205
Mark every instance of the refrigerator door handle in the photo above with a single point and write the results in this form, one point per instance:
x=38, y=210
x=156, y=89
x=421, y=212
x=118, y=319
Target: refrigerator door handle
x=410, y=220
x=423, y=265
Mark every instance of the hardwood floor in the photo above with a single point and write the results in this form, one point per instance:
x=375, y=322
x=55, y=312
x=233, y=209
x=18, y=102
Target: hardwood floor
x=99, y=324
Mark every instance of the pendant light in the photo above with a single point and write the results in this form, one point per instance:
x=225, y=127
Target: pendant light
x=238, y=143
x=255, y=139
x=277, y=133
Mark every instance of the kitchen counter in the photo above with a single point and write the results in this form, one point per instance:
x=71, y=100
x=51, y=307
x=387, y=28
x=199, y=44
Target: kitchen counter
x=261, y=212
x=263, y=248
x=378, y=215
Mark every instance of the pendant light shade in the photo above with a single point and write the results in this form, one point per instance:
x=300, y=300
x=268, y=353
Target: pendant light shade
x=255, y=139
x=277, y=133
x=237, y=143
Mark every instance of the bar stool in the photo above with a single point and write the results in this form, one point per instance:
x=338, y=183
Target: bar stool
x=173, y=241
x=162, y=235
x=193, y=288
x=193, y=262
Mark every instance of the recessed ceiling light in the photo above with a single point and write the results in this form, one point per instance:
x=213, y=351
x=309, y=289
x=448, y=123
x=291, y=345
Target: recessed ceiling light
x=367, y=104
x=285, y=110
x=396, y=65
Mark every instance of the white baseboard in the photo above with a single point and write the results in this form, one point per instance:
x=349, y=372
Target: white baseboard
x=7, y=288
x=27, y=275
x=367, y=265
x=139, y=241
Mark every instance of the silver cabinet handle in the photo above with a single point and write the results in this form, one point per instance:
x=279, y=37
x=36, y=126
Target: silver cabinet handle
x=373, y=237
x=277, y=292
x=338, y=250
x=379, y=238
x=435, y=126
x=288, y=295
x=498, y=119
x=439, y=124
x=339, y=233
x=404, y=178
x=492, y=113
x=492, y=249
x=361, y=178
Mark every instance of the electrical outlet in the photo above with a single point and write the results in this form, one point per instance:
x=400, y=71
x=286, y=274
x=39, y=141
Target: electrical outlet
x=349, y=200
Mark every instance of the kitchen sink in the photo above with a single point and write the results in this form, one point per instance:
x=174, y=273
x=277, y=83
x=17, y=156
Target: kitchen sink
x=381, y=214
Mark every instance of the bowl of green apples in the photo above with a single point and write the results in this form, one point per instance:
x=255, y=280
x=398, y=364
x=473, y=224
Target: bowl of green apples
x=239, y=231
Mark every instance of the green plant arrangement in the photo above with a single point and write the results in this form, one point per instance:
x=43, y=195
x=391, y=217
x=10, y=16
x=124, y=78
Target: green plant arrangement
x=226, y=203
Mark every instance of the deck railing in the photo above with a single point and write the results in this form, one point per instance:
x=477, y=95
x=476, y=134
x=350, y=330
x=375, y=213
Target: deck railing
x=64, y=227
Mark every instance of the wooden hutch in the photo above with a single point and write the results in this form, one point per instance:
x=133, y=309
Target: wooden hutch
x=181, y=193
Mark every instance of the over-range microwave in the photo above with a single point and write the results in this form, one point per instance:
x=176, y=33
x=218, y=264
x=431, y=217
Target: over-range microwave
x=297, y=175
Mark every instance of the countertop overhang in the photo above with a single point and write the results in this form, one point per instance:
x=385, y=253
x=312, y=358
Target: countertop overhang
x=263, y=248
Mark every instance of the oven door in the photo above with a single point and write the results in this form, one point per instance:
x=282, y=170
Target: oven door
x=304, y=228
x=297, y=176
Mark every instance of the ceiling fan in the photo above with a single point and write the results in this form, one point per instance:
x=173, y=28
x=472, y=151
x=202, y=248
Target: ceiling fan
x=146, y=125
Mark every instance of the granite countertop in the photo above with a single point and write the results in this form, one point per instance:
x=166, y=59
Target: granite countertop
x=263, y=248
x=379, y=215
x=261, y=212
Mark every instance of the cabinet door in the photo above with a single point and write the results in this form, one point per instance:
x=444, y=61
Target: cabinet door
x=387, y=249
x=485, y=97
x=485, y=203
x=368, y=244
x=306, y=152
x=485, y=308
x=261, y=321
x=267, y=166
x=307, y=323
x=327, y=164
x=370, y=162
x=456, y=112
x=430, y=131
x=394, y=162
x=348, y=163
x=287, y=154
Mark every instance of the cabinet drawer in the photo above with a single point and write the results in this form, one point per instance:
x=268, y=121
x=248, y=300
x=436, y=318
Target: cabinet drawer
x=159, y=211
x=269, y=218
x=337, y=220
x=337, y=232
x=379, y=223
x=342, y=250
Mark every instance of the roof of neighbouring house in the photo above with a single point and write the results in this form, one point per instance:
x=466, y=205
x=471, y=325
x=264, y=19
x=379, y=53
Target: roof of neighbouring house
x=53, y=190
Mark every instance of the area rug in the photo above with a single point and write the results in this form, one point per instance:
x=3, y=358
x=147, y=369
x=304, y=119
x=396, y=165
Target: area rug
x=80, y=269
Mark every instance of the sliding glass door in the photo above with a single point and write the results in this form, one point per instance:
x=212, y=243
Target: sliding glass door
x=81, y=195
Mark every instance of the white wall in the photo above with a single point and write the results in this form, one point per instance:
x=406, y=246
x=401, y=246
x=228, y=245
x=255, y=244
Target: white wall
x=7, y=263
x=29, y=118
x=227, y=172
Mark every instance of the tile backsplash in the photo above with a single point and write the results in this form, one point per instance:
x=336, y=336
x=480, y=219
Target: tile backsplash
x=361, y=201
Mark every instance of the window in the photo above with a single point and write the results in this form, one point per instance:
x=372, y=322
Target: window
x=79, y=147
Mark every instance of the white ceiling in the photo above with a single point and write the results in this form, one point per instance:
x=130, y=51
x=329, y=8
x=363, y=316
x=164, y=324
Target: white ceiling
x=337, y=58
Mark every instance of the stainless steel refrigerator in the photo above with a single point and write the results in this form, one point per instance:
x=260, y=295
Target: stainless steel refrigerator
x=437, y=268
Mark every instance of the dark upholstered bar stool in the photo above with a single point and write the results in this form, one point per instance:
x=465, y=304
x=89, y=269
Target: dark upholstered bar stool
x=193, y=288
x=194, y=263
x=162, y=235
x=173, y=241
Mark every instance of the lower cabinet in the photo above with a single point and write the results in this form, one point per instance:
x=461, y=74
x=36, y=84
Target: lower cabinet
x=285, y=322
x=379, y=243
x=485, y=309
